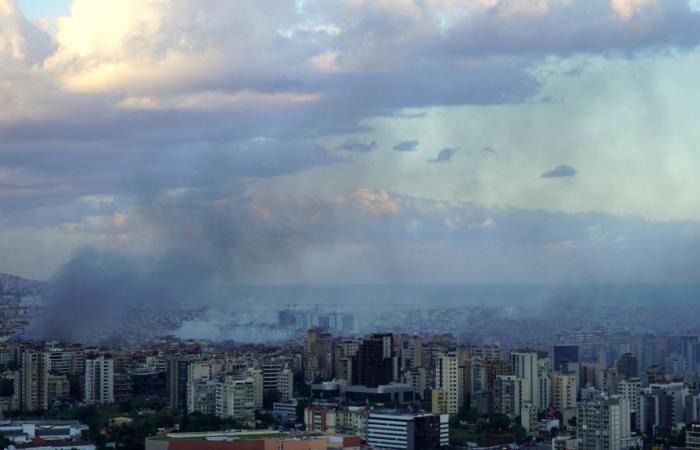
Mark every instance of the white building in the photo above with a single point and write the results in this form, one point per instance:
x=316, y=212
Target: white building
x=510, y=394
x=662, y=407
x=544, y=383
x=285, y=384
x=235, y=397
x=407, y=431
x=448, y=379
x=630, y=389
x=238, y=400
x=99, y=380
x=603, y=423
x=564, y=390
x=525, y=365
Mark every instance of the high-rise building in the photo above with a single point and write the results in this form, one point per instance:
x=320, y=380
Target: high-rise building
x=66, y=360
x=438, y=401
x=630, y=389
x=199, y=388
x=285, y=384
x=318, y=356
x=490, y=353
x=343, y=353
x=648, y=352
x=591, y=374
x=511, y=394
x=177, y=370
x=411, y=351
x=58, y=388
x=238, y=399
x=692, y=437
x=544, y=383
x=33, y=380
x=689, y=346
x=448, y=379
x=99, y=380
x=662, y=408
x=564, y=390
x=525, y=366
x=603, y=423
x=627, y=366
x=407, y=431
x=204, y=396
x=123, y=387
x=565, y=358
x=418, y=378
x=375, y=363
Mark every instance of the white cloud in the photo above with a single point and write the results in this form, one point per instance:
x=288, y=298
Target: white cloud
x=628, y=8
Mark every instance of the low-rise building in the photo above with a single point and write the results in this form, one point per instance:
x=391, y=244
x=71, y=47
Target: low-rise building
x=407, y=430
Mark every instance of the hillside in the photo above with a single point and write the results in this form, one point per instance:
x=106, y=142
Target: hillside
x=12, y=284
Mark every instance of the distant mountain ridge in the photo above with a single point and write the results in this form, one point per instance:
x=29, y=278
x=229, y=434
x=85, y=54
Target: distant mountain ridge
x=12, y=284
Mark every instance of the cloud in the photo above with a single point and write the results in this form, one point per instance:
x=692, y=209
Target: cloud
x=356, y=145
x=101, y=113
x=445, y=155
x=561, y=171
x=487, y=223
x=627, y=8
x=406, y=146
x=376, y=202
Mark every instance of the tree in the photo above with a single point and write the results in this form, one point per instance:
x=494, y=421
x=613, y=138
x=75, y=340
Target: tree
x=471, y=415
x=499, y=423
x=521, y=435
x=206, y=422
x=678, y=438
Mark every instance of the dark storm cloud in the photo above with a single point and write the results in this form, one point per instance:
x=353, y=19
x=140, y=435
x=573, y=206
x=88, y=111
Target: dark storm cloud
x=406, y=146
x=561, y=171
x=445, y=155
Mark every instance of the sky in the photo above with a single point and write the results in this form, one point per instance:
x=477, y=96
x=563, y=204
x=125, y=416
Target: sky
x=353, y=141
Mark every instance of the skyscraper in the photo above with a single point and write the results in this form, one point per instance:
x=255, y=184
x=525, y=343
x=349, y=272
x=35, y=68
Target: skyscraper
x=525, y=366
x=627, y=366
x=318, y=356
x=99, y=380
x=564, y=390
x=565, y=358
x=511, y=394
x=177, y=382
x=374, y=363
x=603, y=423
x=448, y=379
x=33, y=380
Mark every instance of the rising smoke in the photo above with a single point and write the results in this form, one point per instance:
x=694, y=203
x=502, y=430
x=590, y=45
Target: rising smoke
x=195, y=236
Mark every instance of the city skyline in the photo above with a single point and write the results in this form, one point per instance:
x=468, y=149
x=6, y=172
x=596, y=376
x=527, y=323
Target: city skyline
x=349, y=225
